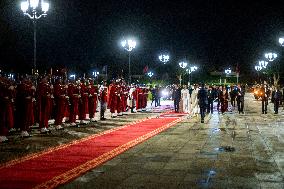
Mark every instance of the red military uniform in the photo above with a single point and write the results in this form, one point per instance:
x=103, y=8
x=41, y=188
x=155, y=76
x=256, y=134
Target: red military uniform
x=60, y=101
x=25, y=106
x=7, y=92
x=93, y=99
x=73, y=93
x=83, y=104
x=44, y=104
x=139, y=98
x=112, y=98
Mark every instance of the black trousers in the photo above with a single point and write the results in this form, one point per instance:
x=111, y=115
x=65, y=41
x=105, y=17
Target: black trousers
x=264, y=103
x=176, y=104
x=202, y=111
x=210, y=106
x=276, y=106
x=240, y=105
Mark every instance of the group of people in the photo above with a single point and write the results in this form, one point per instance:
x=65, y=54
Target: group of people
x=200, y=99
x=274, y=94
x=27, y=102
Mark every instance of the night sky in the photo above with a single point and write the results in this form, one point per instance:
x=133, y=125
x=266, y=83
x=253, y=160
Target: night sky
x=85, y=34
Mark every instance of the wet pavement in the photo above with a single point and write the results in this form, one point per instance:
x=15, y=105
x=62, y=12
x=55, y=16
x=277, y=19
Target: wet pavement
x=228, y=151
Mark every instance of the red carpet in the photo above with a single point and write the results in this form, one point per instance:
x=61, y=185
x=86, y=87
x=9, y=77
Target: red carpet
x=59, y=165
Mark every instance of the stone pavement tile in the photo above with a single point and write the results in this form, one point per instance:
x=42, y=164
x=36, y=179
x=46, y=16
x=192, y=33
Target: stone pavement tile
x=154, y=165
x=270, y=185
x=148, y=186
x=99, y=184
x=178, y=165
x=243, y=182
x=269, y=177
x=140, y=179
x=184, y=156
x=239, y=172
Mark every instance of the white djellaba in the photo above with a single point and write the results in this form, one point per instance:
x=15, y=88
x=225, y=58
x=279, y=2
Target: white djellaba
x=185, y=100
x=194, y=101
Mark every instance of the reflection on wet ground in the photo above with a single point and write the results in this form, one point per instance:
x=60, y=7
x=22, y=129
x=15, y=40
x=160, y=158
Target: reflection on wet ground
x=229, y=151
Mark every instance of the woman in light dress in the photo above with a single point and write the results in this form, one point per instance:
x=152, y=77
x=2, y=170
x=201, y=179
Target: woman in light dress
x=185, y=99
x=194, y=101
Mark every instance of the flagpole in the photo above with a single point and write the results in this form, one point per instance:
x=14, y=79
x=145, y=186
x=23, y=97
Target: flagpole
x=106, y=72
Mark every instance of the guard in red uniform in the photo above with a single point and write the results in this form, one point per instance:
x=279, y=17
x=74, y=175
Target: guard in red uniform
x=74, y=95
x=83, y=104
x=25, y=106
x=139, y=99
x=7, y=91
x=113, y=99
x=44, y=103
x=93, y=99
x=60, y=102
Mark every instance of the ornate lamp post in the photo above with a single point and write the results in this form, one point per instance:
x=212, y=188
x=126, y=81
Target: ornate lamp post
x=164, y=58
x=129, y=45
x=183, y=65
x=270, y=56
x=281, y=41
x=96, y=74
x=189, y=71
x=262, y=64
x=150, y=74
x=34, y=9
x=258, y=68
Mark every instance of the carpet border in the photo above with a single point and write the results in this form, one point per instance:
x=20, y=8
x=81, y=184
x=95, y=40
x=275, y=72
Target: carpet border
x=53, y=149
x=77, y=171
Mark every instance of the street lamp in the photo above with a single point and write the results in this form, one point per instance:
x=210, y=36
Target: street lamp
x=150, y=74
x=270, y=56
x=183, y=65
x=73, y=76
x=190, y=70
x=164, y=58
x=95, y=74
x=258, y=68
x=128, y=45
x=228, y=71
x=262, y=64
x=281, y=41
x=34, y=9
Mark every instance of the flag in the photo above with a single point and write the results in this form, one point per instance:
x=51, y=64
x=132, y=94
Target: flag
x=104, y=68
x=145, y=70
x=237, y=69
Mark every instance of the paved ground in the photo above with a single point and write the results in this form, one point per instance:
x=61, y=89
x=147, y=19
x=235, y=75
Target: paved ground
x=228, y=151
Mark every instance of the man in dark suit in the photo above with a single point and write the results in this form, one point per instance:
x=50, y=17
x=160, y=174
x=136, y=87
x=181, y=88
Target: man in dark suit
x=203, y=101
x=264, y=92
x=240, y=99
x=176, y=97
x=276, y=98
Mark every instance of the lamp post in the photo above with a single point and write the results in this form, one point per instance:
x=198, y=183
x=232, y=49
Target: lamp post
x=150, y=74
x=183, y=65
x=34, y=9
x=270, y=56
x=281, y=41
x=262, y=64
x=227, y=72
x=164, y=58
x=96, y=74
x=129, y=45
x=258, y=68
x=189, y=71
